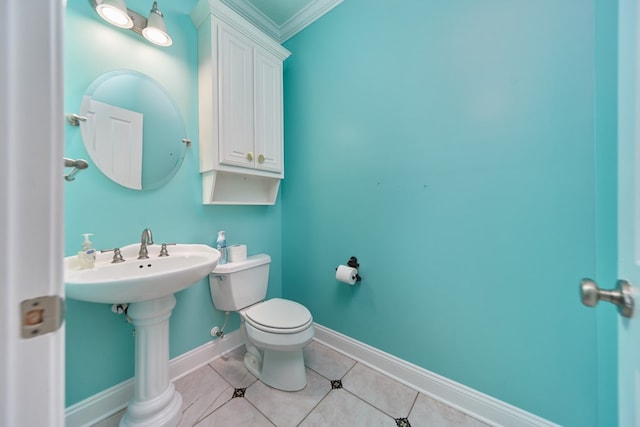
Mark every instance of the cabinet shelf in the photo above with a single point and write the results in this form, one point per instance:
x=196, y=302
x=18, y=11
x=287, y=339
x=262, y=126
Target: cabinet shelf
x=231, y=188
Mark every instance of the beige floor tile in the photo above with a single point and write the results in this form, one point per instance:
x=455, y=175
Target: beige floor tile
x=384, y=393
x=430, y=412
x=238, y=412
x=326, y=361
x=203, y=391
x=231, y=367
x=342, y=409
x=284, y=408
x=368, y=398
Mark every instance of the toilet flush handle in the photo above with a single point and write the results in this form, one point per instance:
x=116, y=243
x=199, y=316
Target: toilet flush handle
x=220, y=277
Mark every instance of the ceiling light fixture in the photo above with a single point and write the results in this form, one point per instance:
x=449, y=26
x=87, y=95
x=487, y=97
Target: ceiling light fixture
x=116, y=13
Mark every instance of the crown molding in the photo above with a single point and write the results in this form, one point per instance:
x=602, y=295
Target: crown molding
x=308, y=15
x=281, y=33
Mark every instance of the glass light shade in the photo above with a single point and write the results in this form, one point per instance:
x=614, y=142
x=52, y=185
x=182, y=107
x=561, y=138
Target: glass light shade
x=156, y=31
x=115, y=13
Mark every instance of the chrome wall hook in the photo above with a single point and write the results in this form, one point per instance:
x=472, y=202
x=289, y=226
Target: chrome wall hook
x=75, y=119
x=77, y=166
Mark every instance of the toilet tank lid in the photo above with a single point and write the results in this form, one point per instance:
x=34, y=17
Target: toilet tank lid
x=251, y=261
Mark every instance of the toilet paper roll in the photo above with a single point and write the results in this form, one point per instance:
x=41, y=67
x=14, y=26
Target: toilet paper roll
x=346, y=274
x=237, y=253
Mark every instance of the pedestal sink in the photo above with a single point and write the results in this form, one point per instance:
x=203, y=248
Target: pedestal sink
x=148, y=286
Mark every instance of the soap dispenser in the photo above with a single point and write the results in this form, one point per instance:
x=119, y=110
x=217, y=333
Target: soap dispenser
x=221, y=245
x=87, y=255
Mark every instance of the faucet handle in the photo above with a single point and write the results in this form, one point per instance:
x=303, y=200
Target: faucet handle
x=117, y=255
x=163, y=249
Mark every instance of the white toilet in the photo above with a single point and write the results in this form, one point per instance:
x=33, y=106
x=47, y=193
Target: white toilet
x=276, y=330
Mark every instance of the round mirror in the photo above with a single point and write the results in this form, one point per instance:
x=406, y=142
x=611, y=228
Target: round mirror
x=133, y=131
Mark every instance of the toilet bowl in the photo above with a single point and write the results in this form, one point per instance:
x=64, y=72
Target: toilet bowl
x=279, y=339
x=275, y=330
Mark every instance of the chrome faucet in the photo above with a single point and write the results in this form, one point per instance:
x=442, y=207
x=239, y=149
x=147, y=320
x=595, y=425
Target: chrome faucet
x=146, y=239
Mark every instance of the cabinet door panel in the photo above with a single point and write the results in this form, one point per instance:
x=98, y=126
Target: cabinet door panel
x=236, y=97
x=268, y=111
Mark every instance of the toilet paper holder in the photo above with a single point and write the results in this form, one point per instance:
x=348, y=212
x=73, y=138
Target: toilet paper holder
x=353, y=263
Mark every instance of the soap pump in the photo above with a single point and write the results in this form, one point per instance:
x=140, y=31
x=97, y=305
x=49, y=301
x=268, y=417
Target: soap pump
x=87, y=255
x=221, y=245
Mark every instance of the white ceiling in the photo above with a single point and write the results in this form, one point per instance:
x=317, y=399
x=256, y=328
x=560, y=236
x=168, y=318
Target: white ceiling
x=282, y=19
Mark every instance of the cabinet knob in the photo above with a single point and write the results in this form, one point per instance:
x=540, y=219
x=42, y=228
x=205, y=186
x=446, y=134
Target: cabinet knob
x=250, y=156
x=261, y=158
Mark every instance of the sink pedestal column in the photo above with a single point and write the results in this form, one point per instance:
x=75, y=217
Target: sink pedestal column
x=155, y=402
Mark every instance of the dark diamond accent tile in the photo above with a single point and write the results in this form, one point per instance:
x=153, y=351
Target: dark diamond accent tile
x=336, y=384
x=403, y=422
x=239, y=392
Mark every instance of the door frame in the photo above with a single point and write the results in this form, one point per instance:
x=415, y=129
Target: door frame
x=31, y=218
x=629, y=207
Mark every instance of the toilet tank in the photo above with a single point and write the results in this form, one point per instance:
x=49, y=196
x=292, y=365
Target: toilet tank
x=237, y=285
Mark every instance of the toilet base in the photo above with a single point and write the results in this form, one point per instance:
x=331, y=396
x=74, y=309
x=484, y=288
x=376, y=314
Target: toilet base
x=277, y=359
x=284, y=370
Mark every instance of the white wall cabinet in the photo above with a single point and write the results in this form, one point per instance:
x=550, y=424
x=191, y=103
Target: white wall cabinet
x=240, y=108
x=268, y=120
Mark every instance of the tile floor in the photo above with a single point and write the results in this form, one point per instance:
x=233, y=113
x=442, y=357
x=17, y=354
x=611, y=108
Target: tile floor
x=339, y=392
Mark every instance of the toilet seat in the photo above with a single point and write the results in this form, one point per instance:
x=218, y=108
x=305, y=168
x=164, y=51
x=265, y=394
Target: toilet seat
x=278, y=316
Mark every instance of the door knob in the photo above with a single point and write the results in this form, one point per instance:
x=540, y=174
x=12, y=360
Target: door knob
x=620, y=296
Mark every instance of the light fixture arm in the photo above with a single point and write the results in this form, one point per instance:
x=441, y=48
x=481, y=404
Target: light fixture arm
x=154, y=9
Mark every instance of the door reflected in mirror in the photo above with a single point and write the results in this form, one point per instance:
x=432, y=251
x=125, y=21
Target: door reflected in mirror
x=133, y=131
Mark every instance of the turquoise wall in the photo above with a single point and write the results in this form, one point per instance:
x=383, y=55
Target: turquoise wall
x=451, y=147
x=99, y=344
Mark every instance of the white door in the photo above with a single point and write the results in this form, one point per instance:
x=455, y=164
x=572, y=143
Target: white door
x=31, y=212
x=113, y=138
x=629, y=209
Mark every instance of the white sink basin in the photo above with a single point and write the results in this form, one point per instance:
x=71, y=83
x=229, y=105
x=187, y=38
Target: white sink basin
x=139, y=279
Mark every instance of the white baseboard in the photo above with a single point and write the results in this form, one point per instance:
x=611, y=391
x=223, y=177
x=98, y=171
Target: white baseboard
x=472, y=402
x=102, y=405
x=478, y=405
